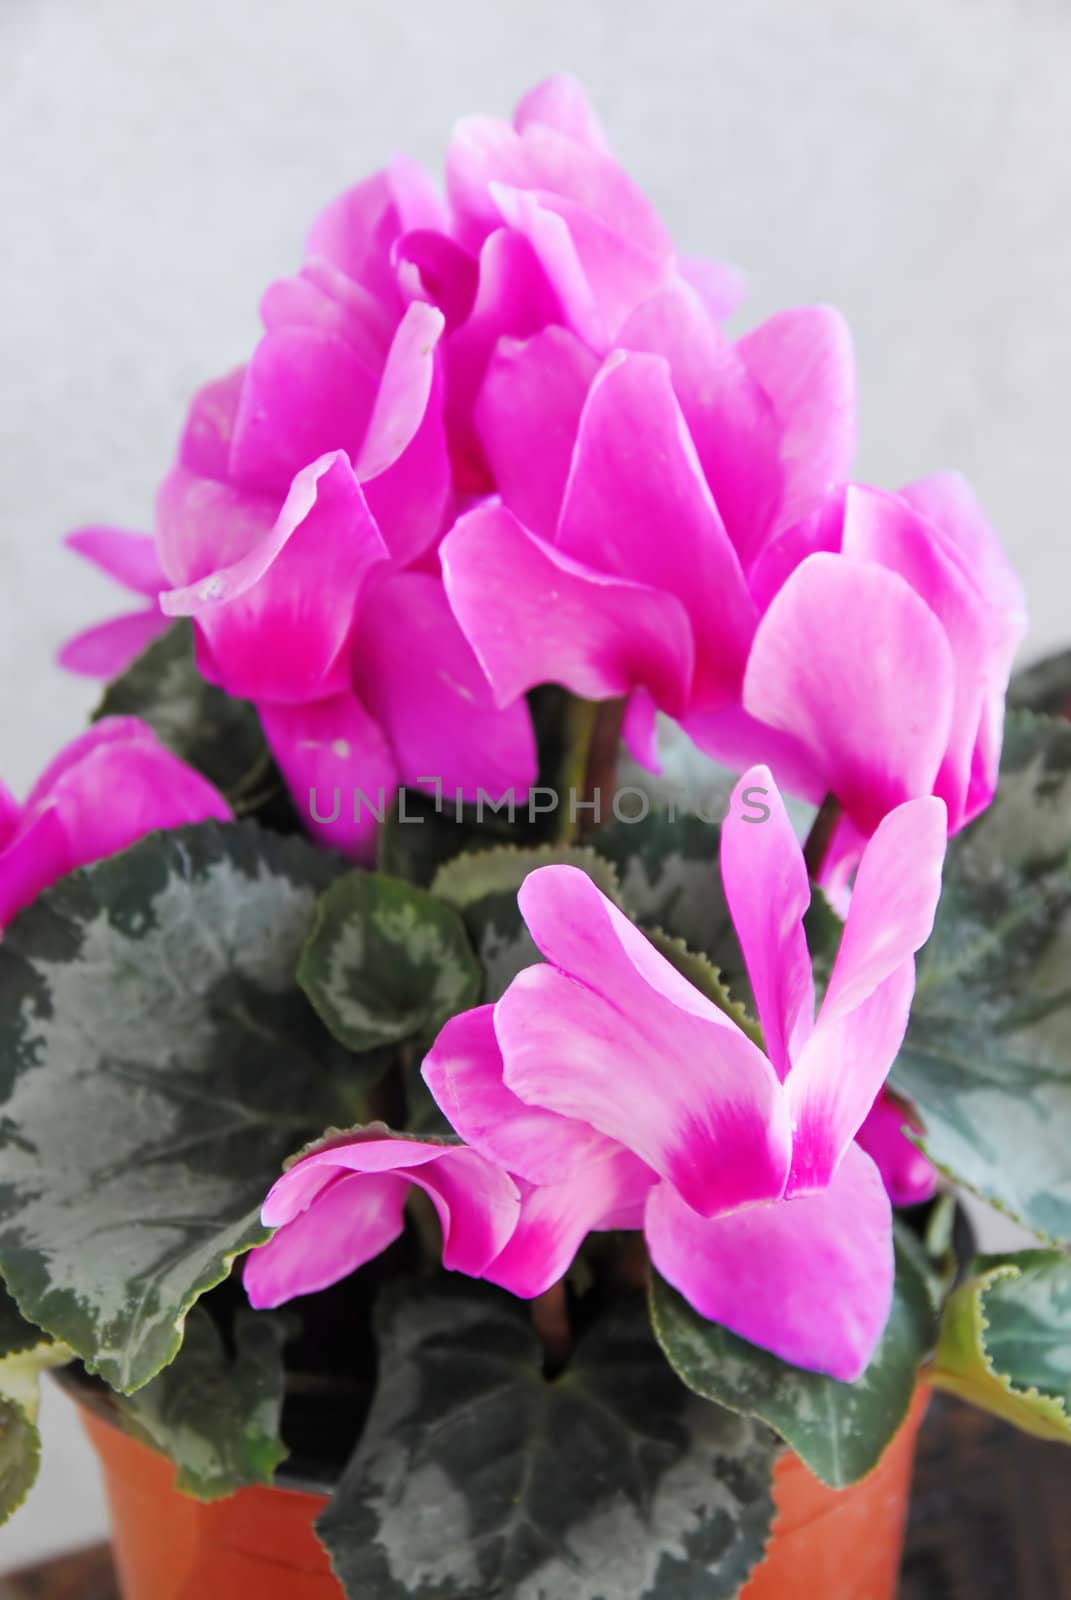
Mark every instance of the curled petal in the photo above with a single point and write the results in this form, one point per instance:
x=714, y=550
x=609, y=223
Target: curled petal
x=809, y=1279
x=534, y=615
x=768, y=891
x=278, y=620
x=852, y=663
x=561, y=103
x=909, y=1177
x=354, y=1218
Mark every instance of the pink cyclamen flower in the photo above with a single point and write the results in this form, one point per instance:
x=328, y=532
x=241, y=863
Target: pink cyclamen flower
x=108, y=788
x=672, y=525
x=339, y=1206
x=130, y=558
x=615, y=1090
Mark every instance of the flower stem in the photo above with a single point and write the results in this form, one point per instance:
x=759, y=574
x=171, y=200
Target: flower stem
x=820, y=837
x=550, y=1319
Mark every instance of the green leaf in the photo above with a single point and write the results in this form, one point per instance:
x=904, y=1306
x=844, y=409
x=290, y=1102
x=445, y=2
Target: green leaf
x=987, y=1057
x=25, y=1352
x=1005, y=1341
x=216, y=1416
x=217, y=735
x=386, y=961
x=483, y=888
x=157, y=1064
x=479, y=1479
x=839, y=1429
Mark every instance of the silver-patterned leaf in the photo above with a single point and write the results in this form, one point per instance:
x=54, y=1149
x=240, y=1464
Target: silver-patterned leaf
x=838, y=1429
x=157, y=1065
x=25, y=1352
x=987, y=1057
x=479, y=1479
x=386, y=961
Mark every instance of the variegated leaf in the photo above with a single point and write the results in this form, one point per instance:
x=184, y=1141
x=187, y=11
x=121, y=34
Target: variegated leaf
x=157, y=1065
x=838, y=1429
x=386, y=961
x=25, y=1352
x=479, y=1479
x=1005, y=1341
x=987, y=1058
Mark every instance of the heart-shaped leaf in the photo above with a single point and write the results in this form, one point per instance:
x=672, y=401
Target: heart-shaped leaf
x=216, y=1416
x=480, y=1479
x=987, y=1057
x=1005, y=1341
x=157, y=1065
x=386, y=961
x=838, y=1429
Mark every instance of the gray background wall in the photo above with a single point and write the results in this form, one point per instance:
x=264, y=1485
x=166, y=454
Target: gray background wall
x=905, y=159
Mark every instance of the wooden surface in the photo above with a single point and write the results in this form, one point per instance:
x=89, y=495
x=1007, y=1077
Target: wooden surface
x=990, y=1520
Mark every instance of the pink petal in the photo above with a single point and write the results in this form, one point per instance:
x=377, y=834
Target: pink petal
x=10, y=811
x=279, y=619
x=452, y=732
x=202, y=525
x=129, y=558
x=612, y=1035
x=851, y=662
x=637, y=506
x=561, y=103
x=403, y=464
x=822, y=530
x=463, y=1070
x=355, y=232
x=338, y=767
x=527, y=416
x=514, y=299
x=109, y=788
x=730, y=418
x=721, y=286
x=306, y=392
x=736, y=740
x=909, y=1178
x=555, y=1220
x=353, y=1220
x=809, y=1279
x=205, y=446
x=477, y=1203
x=863, y=1016
x=805, y=363
x=435, y=267
x=323, y=298
x=768, y=892
x=108, y=649
x=533, y=615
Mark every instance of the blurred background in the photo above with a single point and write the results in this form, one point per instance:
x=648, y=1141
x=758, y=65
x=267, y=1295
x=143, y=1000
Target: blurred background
x=904, y=159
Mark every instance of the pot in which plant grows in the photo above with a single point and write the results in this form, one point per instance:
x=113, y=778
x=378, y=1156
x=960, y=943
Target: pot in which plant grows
x=842, y=1544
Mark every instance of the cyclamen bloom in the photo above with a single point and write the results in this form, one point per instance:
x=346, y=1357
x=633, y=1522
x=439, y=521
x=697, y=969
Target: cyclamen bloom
x=343, y=1203
x=112, y=785
x=617, y=1093
x=679, y=514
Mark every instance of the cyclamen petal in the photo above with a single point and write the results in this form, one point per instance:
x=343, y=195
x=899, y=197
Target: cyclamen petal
x=353, y=1190
x=129, y=558
x=910, y=1178
x=278, y=620
x=649, y=1062
x=108, y=649
x=809, y=1279
x=768, y=892
x=561, y=103
x=598, y=635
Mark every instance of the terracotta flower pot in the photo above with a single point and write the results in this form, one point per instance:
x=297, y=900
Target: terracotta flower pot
x=840, y=1545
